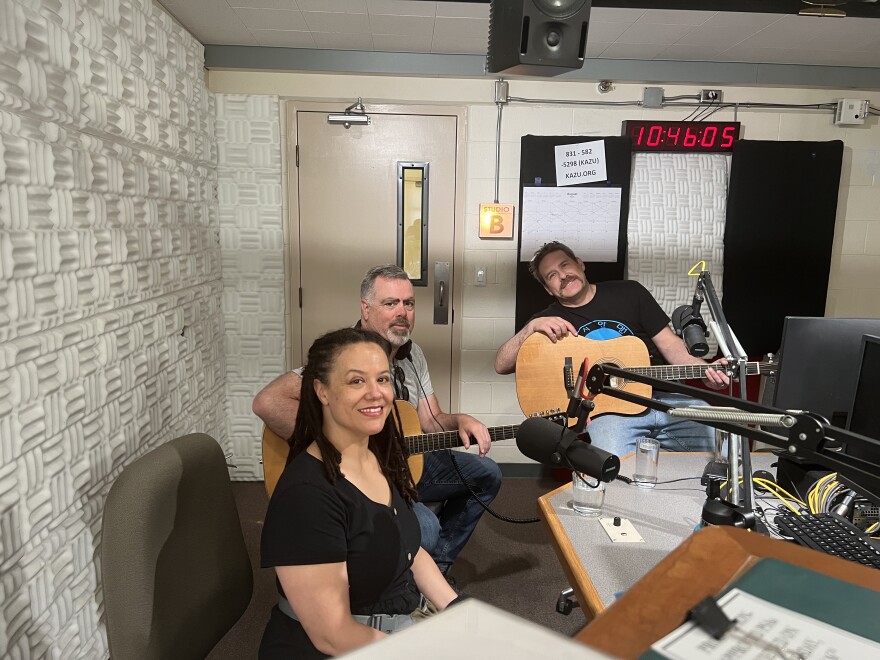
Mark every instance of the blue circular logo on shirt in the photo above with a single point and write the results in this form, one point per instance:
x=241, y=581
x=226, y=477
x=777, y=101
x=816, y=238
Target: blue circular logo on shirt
x=605, y=329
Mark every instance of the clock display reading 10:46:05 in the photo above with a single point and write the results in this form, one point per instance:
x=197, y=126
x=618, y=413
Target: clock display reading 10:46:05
x=697, y=136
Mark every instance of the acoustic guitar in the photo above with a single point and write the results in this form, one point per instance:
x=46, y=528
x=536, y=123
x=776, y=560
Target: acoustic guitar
x=276, y=449
x=546, y=372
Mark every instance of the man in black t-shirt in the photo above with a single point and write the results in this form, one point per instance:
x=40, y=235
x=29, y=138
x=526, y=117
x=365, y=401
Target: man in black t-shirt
x=606, y=311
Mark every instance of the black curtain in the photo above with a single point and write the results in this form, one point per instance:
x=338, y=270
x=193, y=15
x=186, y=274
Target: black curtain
x=781, y=208
x=538, y=168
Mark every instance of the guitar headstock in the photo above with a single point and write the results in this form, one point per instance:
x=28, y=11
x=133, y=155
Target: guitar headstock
x=557, y=416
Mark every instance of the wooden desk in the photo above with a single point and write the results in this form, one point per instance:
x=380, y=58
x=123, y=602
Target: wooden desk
x=701, y=566
x=598, y=569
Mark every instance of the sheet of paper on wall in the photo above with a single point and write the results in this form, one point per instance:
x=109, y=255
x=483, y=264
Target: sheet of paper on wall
x=586, y=219
x=580, y=163
x=766, y=631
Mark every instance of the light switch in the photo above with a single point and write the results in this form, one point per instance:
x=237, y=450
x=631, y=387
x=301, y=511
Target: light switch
x=480, y=276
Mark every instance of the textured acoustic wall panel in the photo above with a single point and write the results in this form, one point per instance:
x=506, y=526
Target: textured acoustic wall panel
x=249, y=182
x=111, y=327
x=676, y=219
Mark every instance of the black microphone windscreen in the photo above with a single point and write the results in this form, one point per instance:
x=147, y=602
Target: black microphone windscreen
x=679, y=316
x=538, y=438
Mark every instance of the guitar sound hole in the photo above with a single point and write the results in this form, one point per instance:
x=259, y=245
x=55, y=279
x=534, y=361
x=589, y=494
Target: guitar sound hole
x=615, y=382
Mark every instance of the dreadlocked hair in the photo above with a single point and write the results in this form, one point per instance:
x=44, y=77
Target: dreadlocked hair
x=387, y=445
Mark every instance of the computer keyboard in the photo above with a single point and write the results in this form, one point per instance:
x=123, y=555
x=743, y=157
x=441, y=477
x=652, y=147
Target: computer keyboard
x=832, y=534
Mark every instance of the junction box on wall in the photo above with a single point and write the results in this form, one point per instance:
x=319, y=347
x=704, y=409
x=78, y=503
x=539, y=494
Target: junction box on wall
x=850, y=112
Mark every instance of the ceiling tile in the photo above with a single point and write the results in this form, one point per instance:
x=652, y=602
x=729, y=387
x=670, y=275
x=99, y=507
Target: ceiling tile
x=260, y=4
x=462, y=28
x=596, y=48
x=419, y=26
x=222, y=26
x=607, y=32
x=463, y=9
x=272, y=19
x=453, y=44
x=632, y=51
x=397, y=43
x=690, y=53
x=401, y=7
x=854, y=33
x=284, y=38
x=339, y=6
x=343, y=41
x=321, y=21
x=614, y=15
x=675, y=17
x=653, y=34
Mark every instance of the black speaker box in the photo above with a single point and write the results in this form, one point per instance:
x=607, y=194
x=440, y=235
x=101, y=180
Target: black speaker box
x=537, y=37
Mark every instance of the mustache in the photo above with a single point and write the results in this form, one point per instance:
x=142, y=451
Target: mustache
x=566, y=281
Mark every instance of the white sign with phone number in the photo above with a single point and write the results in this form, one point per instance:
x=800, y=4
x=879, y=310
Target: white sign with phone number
x=580, y=163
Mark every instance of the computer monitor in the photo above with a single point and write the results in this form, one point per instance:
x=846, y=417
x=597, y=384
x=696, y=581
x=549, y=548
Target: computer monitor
x=864, y=415
x=819, y=360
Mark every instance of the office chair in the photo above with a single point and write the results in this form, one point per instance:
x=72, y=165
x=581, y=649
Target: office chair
x=176, y=571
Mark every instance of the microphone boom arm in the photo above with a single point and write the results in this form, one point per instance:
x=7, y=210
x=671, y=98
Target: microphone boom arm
x=809, y=436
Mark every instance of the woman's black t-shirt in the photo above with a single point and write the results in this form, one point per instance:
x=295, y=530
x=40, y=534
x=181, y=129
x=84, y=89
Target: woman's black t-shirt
x=311, y=521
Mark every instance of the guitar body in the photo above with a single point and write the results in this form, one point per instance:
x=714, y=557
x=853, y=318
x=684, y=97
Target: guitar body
x=409, y=422
x=540, y=377
x=276, y=449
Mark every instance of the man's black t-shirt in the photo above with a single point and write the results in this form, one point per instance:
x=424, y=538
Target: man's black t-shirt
x=311, y=521
x=618, y=309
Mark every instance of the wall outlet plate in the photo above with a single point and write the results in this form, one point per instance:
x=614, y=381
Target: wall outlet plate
x=624, y=533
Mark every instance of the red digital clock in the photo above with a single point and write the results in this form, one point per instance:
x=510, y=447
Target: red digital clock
x=694, y=136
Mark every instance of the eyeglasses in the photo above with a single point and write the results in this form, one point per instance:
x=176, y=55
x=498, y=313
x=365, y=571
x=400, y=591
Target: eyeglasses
x=400, y=387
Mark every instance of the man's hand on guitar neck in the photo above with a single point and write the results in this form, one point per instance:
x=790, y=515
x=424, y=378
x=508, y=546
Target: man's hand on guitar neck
x=672, y=347
x=471, y=428
x=554, y=327
x=717, y=379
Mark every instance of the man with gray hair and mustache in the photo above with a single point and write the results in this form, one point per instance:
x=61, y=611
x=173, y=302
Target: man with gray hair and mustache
x=388, y=308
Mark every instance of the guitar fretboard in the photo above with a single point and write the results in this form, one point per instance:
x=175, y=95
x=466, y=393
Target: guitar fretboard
x=420, y=444
x=686, y=371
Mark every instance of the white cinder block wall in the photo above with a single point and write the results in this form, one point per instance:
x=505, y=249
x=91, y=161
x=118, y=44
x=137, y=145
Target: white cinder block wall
x=487, y=314
x=111, y=331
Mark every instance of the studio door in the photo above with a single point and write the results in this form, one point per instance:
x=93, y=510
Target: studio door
x=345, y=198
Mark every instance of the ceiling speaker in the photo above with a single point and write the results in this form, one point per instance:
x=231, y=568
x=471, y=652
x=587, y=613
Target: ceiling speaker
x=537, y=37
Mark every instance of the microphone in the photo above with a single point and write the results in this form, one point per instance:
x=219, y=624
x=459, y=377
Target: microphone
x=551, y=444
x=689, y=325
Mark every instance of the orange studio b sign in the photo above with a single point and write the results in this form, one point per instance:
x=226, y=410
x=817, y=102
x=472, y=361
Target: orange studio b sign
x=496, y=220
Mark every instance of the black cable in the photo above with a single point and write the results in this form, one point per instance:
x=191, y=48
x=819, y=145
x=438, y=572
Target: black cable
x=486, y=507
x=467, y=484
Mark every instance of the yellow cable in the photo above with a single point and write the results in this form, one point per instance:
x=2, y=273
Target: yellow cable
x=765, y=482
x=771, y=487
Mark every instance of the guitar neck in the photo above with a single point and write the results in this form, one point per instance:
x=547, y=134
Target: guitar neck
x=420, y=444
x=686, y=371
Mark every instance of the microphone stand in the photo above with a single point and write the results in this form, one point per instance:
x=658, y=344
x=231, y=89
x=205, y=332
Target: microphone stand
x=804, y=434
x=738, y=454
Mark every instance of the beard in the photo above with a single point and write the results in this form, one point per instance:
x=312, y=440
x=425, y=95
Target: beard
x=398, y=335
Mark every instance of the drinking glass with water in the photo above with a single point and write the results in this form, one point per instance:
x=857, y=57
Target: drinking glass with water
x=587, y=494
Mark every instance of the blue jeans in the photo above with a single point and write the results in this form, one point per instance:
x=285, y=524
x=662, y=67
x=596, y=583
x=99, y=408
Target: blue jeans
x=618, y=433
x=445, y=537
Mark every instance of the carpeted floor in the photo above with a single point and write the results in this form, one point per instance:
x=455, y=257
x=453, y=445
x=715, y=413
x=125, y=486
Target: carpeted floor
x=510, y=566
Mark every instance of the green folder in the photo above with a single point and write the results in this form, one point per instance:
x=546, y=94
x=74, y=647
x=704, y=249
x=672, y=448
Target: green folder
x=840, y=604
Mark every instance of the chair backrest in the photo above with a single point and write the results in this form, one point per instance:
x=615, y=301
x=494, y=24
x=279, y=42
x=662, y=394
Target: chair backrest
x=176, y=571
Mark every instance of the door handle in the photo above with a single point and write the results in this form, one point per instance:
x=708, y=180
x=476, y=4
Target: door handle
x=441, y=284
